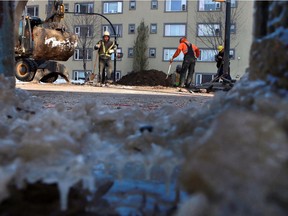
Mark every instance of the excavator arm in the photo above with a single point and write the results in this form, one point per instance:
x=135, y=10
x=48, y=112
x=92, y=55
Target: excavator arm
x=56, y=13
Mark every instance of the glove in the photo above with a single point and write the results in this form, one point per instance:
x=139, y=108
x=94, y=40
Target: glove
x=96, y=47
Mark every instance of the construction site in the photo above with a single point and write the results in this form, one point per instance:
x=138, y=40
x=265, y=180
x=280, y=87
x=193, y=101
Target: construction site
x=143, y=148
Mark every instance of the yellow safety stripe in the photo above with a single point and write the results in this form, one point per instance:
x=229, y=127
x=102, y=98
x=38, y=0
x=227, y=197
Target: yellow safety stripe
x=105, y=52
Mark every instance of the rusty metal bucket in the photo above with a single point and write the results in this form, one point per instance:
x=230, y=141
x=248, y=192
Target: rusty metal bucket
x=50, y=44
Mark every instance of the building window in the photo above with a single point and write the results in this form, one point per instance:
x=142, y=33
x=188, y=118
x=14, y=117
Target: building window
x=153, y=28
x=204, y=30
x=80, y=74
x=168, y=53
x=33, y=10
x=84, y=7
x=232, y=54
x=78, y=54
x=132, y=5
x=209, y=5
x=175, y=5
x=130, y=52
x=112, y=7
x=203, y=77
x=119, y=50
x=118, y=75
x=207, y=55
x=233, y=29
x=154, y=4
x=152, y=52
x=171, y=30
x=118, y=29
x=131, y=29
x=83, y=31
x=233, y=3
x=66, y=7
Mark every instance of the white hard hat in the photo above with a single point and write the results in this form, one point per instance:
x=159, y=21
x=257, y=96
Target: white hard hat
x=106, y=33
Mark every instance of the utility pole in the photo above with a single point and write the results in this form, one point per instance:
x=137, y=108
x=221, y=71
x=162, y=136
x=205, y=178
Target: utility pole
x=227, y=36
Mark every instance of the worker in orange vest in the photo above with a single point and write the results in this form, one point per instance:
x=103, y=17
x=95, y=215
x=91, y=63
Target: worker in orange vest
x=191, y=53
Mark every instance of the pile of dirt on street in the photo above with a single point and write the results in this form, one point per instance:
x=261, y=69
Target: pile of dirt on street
x=146, y=78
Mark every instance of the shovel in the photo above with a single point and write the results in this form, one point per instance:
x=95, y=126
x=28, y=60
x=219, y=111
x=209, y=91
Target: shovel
x=168, y=71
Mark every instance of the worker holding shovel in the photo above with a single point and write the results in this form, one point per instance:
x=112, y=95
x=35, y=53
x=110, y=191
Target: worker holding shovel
x=191, y=53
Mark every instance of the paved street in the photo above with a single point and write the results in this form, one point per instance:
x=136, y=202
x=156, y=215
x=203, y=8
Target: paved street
x=115, y=97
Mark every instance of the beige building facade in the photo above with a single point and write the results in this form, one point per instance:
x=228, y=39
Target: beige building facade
x=201, y=21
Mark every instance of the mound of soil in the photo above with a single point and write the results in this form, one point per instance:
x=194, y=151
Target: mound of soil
x=146, y=78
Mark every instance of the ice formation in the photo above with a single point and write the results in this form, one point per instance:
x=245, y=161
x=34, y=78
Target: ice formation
x=54, y=146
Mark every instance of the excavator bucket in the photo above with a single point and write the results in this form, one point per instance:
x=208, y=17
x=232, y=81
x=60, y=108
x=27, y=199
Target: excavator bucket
x=51, y=44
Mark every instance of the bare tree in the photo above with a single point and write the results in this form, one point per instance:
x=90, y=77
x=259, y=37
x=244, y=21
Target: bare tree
x=140, y=60
x=87, y=27
x=213, y=33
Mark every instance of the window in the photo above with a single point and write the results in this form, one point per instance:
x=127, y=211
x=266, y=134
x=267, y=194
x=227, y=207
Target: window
x=152, y=52
x=207, y=55
x=233, y=29
x=168, y=53
x=83, y=31
x=80, y=74
x=66, y=7
x=130, y=52
x=118, y=29
x=78, y=54
x=232, y=54
x=154, y=4
x=84, y=8
x=204, y=77
x=119, y=50
x=175, y=5
x=118, y=75
x=132, y=5
x=209, y=5
x=131, y=29
x=153, y=28
x=33, y=10
x=174, y=30
x=208, y=30
x=233, y=3
x=112, y=7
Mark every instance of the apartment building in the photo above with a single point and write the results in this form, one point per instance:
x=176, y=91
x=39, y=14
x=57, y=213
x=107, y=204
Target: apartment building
x=201, y=21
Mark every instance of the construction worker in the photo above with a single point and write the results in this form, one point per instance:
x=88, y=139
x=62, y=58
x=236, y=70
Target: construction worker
x=105, y=48
x=219, y=58
x=191, y=53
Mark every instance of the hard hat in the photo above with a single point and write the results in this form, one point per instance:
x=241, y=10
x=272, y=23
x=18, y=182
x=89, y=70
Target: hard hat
x=182, y=39
x=106, y=33
x=220, y=47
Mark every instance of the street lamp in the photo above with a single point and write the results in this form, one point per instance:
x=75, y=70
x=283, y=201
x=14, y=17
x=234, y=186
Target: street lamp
x=227, y=36
x=114, y=34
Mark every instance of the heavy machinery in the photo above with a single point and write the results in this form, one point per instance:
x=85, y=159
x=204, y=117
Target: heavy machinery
x=40, y=44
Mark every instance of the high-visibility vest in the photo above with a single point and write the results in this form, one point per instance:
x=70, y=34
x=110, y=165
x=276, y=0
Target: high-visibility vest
x=105, y=51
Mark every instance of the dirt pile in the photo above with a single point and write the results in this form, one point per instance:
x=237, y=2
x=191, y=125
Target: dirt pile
x=146, y=78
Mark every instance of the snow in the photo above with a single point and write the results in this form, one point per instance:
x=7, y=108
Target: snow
x=91, y=145
x=56, y=43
